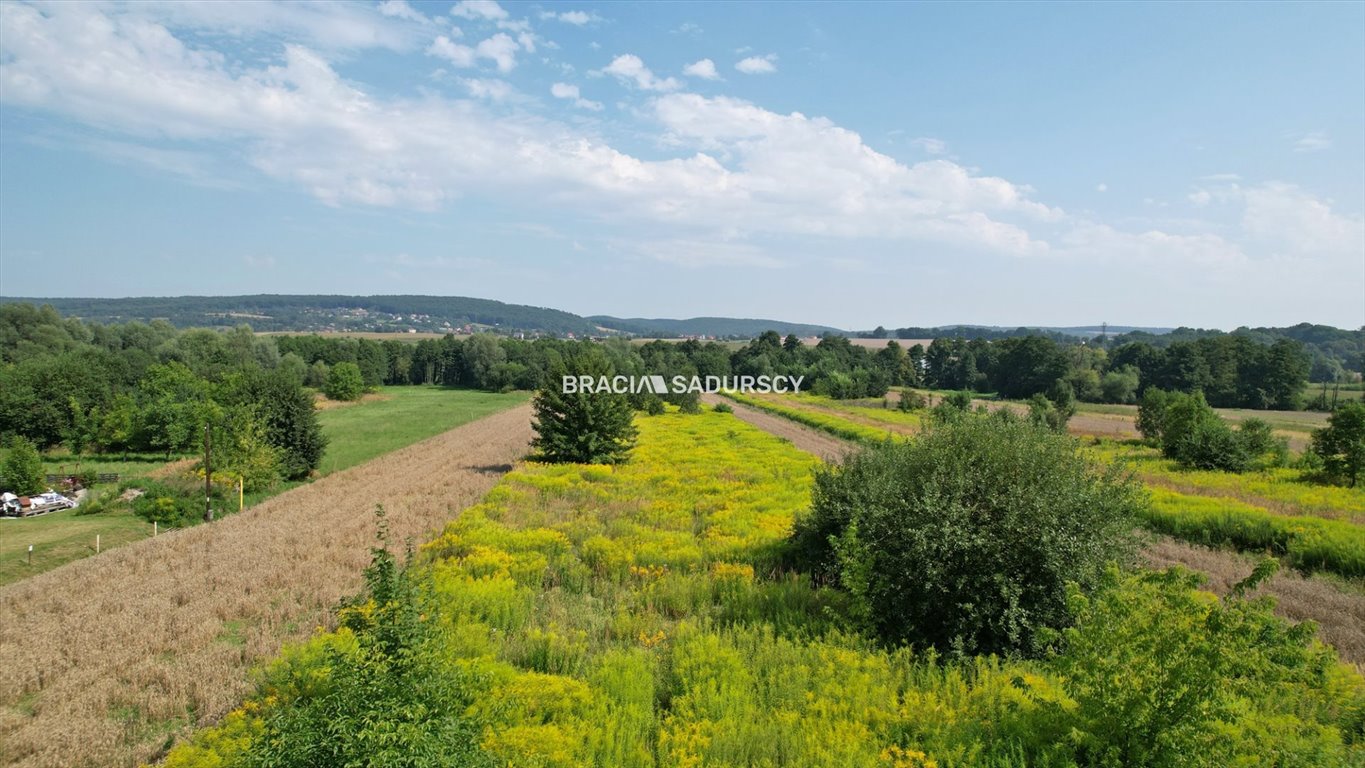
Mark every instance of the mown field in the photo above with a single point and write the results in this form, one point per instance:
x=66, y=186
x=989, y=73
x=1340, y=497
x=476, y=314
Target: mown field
x=639, y=615
x=393, y=418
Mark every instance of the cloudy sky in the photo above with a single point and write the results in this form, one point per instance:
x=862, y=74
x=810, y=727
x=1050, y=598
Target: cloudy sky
x=845, y=164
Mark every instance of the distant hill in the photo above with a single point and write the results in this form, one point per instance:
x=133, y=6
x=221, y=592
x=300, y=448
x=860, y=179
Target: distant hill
x=269, y=312
x=720, y=327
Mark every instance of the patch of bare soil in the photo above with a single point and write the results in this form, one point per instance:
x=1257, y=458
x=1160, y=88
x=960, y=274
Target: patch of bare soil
x=104, y=658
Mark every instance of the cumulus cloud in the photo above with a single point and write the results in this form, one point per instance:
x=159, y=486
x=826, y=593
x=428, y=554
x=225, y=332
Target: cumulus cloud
x=721, y=173
x=489, y=88
x=484, y=10
x=758, y=65
x=400, y=9
x=570, y=92
x=501, y=49
x=705, y=69
x=576, y=18
x=629, y=68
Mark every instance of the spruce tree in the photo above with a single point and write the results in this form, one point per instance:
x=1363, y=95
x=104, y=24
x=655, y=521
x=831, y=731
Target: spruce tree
x=582, y=427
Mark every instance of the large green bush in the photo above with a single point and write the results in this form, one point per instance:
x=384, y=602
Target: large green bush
x=22, y=471
x=965, y=538
x=1165, y=675
x=1341, y=444
x=344, y=382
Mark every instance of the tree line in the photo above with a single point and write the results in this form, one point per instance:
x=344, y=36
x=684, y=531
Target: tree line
x=151, y=387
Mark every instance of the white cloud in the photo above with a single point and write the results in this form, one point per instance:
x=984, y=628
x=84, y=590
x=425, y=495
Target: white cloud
x=1313, y=141
x=576, y=18
x=567, y=91
x=1200, y=197
x=1101, y=187
x=486, y=10
x=629, y=68
x=489, y=88
x=705, y=69
x=500, y=49
x=758, y=65
x=931, y=146
x=456, y=53
x=400, y=9
x=721, y=173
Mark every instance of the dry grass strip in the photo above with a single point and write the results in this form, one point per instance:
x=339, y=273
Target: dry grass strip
x=105, y=658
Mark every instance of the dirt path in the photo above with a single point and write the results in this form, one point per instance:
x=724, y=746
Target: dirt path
x=105, y=658
x=822, y=444
x=1340, y=614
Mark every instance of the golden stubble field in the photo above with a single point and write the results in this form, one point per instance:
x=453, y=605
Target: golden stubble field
x=106, y=658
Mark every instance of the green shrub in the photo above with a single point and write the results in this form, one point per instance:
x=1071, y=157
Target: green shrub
x=23, y=469
x=344, y=382
x=389, y=699
x=168, y=503
x=723, y=408
x=965, y=538
x=1164, y=675
x=912, y=401
x=1341, y=444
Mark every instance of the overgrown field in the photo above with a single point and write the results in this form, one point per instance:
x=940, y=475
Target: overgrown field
x=1311, y=526
x=825, y=420
x=638, y=615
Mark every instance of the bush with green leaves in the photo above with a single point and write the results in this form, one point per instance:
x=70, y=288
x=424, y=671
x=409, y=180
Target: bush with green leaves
x=1341, y=444
x=579, y=426
x=1165, y=675
x=1188, y=430
x=722, y=408
x=911, y=401
x=965, y=538
x=344, y=382
x=23, y=468
x=384, y=695
x=174, y=503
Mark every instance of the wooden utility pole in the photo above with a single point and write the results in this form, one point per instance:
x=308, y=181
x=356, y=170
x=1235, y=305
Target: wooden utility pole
x=208, y=475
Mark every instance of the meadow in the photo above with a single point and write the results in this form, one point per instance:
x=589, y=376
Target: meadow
x=397, y=417
x=1313, y=527
x=640, y=615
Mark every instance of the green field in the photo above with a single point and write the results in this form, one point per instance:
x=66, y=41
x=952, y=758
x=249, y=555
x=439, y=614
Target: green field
x=356, y=434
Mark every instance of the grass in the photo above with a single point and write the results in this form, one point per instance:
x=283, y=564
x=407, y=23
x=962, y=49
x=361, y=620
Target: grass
x=356, y=433
x=406, y=415
x=636, y=616
x=1279, y=490
x=60, y=537
x=839, y=426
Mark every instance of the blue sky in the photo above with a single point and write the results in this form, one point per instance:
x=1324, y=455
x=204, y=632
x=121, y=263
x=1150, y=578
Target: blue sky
x=849, y=164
